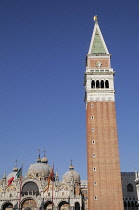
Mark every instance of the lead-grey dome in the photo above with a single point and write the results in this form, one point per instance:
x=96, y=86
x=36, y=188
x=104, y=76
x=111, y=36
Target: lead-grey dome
x=39, y=169
x=71, y=174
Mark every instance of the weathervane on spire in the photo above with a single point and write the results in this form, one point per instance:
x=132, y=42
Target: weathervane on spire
x=95, y=18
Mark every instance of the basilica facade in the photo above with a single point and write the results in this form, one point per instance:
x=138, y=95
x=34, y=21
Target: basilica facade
x=40, y=188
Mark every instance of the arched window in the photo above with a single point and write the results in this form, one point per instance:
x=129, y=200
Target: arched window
x=97, y=84
x=136, y=204
x=93, y=84
x=30, y=187
x=106, y=84
x=102, y=84
x=77, y=206
x=128, y=204
x=130, y=188
x=132, y=204
x=125, y=204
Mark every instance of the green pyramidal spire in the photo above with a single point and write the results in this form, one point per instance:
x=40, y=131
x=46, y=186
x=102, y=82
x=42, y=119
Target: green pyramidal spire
x=97, y=45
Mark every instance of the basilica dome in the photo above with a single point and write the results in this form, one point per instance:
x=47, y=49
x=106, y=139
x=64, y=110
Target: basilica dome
x=71, y=174
x=40, y=169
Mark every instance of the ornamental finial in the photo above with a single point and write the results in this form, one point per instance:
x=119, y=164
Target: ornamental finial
x=44, y=152
x=39, y=152
x=95, y=18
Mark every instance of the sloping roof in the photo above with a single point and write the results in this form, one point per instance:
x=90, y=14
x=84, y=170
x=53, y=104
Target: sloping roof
x=97, y=44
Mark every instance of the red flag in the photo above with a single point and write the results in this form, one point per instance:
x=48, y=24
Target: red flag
x=18, y=175
x=10, y=181
x=51, y=177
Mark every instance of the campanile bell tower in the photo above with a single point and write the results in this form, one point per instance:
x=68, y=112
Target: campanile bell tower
x=104, y=179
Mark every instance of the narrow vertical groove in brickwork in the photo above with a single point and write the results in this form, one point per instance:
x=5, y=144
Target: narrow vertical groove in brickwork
x=107, y=174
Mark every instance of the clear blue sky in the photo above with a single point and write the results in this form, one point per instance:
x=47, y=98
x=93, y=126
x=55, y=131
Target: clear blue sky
x=43, y=45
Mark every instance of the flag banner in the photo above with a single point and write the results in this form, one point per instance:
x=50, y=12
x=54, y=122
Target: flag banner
x=17, y=175
x=10, y=181
x=51, y=177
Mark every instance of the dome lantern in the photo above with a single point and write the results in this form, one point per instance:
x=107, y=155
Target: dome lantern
x=39, y=159
x=44, y=159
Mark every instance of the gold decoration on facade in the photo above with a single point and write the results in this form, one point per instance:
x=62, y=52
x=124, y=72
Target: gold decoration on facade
x=30, y=176
x=30, y=203
x=10, y=188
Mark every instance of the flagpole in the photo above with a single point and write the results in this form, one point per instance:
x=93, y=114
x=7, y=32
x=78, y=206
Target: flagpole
x=53, y=187
x=20, y=191
x=43, y=201
x=20, y=187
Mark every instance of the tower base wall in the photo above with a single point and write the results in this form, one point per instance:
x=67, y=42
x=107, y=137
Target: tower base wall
x=104, y=180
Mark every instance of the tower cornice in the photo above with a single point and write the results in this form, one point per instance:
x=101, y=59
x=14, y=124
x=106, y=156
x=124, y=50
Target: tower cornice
x=100, y=73
x=92, y=55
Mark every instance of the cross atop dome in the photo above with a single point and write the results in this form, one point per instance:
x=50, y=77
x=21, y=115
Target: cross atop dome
x=44, y=152
x=15, y=168
x=39, y=159
x=71, y=166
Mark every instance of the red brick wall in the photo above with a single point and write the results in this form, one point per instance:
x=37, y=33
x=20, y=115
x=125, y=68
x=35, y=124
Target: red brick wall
x=107, y=175
x=105, y=62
